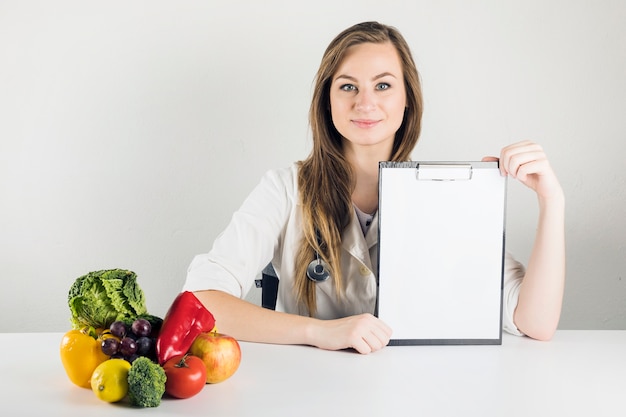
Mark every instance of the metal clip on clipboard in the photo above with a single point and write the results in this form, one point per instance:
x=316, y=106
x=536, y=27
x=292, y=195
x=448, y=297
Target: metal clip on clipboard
x=444, y=172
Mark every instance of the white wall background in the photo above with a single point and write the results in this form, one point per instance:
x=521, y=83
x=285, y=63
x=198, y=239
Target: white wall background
x=131, y=130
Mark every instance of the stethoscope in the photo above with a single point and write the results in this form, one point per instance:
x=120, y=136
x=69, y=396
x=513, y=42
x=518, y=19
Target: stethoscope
x=318, y=270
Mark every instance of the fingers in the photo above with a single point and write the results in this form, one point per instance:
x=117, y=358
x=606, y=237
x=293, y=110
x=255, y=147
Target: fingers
x=515, y=157
x=528, y=162
x=364, y=333
x=521, y=159
x=373, y=338
x=534, y=166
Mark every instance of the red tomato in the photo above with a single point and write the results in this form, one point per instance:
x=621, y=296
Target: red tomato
x=186, y=376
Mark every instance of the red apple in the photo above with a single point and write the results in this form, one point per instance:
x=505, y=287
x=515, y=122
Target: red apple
x=220, y=353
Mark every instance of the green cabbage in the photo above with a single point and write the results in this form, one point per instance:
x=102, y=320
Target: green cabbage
x=99, y=298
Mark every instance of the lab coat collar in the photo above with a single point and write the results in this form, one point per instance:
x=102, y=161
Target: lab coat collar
x=358, y=245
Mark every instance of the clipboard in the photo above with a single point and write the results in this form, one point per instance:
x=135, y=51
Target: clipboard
x=441, y=252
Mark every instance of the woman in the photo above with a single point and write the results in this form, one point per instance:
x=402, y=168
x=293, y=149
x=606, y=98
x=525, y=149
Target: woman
x=366, y=108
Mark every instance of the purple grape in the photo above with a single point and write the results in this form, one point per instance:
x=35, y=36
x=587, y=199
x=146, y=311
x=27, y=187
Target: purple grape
x=144, y=346
x=118, y=328
x=141, y=327
x=110, y=346
x=128, y=347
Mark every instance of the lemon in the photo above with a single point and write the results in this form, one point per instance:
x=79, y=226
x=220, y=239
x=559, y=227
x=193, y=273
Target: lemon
x=109, y=380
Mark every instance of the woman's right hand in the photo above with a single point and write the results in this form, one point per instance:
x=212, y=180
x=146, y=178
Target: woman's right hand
x=365, y=333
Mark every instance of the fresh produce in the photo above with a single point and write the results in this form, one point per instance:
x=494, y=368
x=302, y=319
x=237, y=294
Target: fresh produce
x=220, y=353
x=146, y=383
x=184, y=321
x=154, y=322
x=99, y=298
x=110, y=346
x=186, y=376
x=81, y=353
x=110, y=380
x=141, y=328
x=119, y=350
x=130, y=341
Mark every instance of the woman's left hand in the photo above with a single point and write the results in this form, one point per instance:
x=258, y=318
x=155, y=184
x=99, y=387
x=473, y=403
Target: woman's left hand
x=541, y=292
x=527, y=162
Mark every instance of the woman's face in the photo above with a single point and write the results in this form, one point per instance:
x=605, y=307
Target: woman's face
x=368, y=97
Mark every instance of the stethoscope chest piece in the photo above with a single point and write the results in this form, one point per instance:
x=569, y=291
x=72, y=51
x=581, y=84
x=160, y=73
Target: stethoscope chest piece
x=317, y=270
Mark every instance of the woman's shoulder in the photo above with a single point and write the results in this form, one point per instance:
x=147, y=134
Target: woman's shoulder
x=281, y=181
x=287, y=175
x=289, y=172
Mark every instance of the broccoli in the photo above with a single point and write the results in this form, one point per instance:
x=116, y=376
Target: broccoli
x=146, y=383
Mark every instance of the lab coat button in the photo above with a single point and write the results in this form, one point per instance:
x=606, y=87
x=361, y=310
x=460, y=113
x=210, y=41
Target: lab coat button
x=364, y=271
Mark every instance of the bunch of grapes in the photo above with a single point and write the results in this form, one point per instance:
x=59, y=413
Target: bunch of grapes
x=131, y=342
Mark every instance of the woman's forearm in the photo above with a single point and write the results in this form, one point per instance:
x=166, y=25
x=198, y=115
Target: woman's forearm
x=250, y=322
x=541, y=293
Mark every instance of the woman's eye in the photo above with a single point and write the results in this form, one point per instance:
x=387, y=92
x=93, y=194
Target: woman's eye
x=382, y=86
x=348, y=87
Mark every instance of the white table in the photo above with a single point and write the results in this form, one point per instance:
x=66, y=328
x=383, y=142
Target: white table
x=578, y=373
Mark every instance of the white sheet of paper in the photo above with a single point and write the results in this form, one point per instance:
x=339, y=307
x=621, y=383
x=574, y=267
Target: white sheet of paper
x=441, y=252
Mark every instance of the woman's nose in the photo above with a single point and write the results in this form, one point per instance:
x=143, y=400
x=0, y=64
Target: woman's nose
x=365, y=101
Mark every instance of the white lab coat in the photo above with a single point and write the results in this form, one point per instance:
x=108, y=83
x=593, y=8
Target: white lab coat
x=267, y=227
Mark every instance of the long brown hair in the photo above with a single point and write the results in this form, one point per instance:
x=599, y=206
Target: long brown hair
x=325, y=178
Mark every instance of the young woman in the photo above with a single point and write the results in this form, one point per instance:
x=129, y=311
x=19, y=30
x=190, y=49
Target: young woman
x=366, y=108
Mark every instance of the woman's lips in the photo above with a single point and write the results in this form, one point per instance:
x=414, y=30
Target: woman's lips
x=365, y=123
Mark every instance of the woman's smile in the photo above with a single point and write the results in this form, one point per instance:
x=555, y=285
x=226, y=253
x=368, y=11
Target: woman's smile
x=365, y=123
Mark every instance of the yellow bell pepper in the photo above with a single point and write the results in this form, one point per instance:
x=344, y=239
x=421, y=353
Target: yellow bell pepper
x=81, y=353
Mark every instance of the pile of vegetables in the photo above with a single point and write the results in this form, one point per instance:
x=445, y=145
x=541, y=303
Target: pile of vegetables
x=110, y=320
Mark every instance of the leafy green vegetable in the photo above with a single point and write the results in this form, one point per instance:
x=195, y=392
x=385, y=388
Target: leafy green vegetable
x=99, y=298
x=146, y=383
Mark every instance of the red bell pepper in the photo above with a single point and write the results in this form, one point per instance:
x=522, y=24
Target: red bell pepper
x=184, y=321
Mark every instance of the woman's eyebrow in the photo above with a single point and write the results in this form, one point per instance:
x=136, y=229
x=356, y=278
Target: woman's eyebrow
x=376, y=77
x=384, y=74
